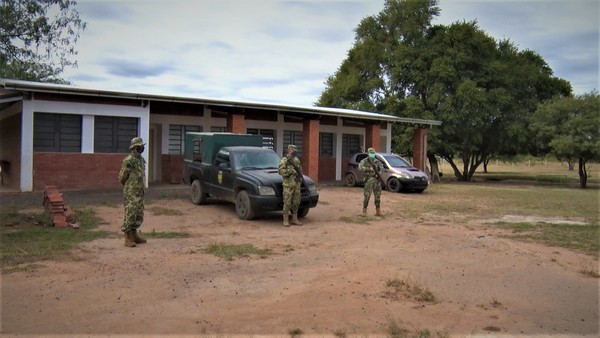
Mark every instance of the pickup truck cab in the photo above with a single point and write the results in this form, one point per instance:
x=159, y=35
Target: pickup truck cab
x=237, y=169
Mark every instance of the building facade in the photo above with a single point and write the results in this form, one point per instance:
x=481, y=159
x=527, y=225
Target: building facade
x=76, y=138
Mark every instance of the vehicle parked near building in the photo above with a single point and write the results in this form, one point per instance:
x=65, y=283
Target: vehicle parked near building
x=238, y=169
x=398, y=174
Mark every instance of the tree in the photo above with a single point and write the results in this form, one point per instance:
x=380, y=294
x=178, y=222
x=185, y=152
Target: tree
x=484, y=91
x=570, y=128
x=37, y=38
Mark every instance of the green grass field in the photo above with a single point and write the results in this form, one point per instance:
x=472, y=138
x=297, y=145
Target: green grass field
x=536, y=170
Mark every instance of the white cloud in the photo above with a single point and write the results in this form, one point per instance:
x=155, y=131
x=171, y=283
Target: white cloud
x=283, y=51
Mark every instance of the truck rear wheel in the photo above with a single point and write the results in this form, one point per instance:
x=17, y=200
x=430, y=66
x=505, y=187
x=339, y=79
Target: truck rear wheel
x=243, y=208
x=198, y=196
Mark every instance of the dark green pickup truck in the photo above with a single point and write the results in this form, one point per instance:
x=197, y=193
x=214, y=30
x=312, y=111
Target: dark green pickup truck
x=238, y=169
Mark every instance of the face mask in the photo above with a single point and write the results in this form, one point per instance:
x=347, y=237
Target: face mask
x=371, y=155
x=140, y=149
x=295, y=154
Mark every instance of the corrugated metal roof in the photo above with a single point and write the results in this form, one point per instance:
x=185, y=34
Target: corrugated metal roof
x=17, y=85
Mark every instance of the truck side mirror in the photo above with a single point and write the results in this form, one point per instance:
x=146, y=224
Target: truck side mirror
x=224, y=167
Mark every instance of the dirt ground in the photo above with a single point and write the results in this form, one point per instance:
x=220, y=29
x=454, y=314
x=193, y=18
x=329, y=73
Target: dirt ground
x=326, y=278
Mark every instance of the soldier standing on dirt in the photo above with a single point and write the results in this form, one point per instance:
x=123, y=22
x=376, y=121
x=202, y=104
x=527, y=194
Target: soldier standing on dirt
x=291, y=185
x=132, y=177
x=371, y=180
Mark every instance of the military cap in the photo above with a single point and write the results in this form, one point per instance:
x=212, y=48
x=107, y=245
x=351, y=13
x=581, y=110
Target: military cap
x=293, y=147
x=371, y=150
x=136, y=142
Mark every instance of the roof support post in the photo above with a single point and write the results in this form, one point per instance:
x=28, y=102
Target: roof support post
x=372, y=136
x=420, y=148
x=310, y=148
x=236, y=123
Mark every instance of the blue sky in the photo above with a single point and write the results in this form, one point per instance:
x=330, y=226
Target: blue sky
x=282, y=51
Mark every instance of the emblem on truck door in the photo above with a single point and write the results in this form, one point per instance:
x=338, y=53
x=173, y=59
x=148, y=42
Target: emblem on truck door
x=220, y=177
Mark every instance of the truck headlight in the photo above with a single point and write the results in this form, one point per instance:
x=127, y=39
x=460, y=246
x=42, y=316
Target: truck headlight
x=266, y=190
x=312, y=188
x=405, y=176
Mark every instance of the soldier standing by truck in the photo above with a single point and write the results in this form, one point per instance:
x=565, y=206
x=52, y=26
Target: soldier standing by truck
x=291, y=171
x=132, y=177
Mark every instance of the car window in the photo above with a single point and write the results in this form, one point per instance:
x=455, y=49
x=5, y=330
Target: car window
x=397, y=162
x=222, y=157
x=360, y=157
x=383, y=162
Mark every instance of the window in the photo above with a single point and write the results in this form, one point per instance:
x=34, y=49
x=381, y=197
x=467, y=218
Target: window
x=113, y=134
x=326, y=144
x=177, y=137
x=57, y=132
x=292, y=137
x=214, y=129
x=350, y=144
x=267, y=134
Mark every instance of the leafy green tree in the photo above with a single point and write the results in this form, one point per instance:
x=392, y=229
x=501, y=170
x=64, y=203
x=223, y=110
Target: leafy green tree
x=37, y=38
x=484, y=91
x=570, y=126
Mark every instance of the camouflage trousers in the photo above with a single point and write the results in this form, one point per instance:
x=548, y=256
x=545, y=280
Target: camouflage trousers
x=373, y=186
x=134, y=213
x=291, y=197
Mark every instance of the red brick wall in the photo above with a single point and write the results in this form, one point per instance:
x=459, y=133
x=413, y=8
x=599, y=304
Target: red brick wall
x=419, y=148
x=372, y=136
x=236, y=124
x=76, y=170
x=171, y=168
x=10, y=150
x=327, y=169
x=310, y=149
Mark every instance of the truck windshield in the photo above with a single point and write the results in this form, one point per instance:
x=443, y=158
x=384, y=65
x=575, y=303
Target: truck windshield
x=256, y=160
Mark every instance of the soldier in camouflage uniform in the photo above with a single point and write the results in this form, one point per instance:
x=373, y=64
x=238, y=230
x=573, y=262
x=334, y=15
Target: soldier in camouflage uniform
x=132, y=177
x=291, y=186
x=372, y=183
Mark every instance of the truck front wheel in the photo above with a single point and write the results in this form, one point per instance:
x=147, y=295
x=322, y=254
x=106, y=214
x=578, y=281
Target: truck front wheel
x=243, y=208
x=198, y=196
x=302, y=212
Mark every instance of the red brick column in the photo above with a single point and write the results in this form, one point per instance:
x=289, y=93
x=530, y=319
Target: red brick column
x=372, y=136
x=236, y=123
x=420, y=148
x=310, y=149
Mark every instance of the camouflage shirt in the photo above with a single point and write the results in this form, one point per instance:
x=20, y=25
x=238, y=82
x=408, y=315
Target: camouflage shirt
x=132, y=174
x=367, y=168
x=287, y=171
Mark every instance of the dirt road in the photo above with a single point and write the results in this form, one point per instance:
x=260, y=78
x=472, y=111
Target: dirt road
x=338, y=275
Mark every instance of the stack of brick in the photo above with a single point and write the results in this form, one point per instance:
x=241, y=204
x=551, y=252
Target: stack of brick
x=62, y=215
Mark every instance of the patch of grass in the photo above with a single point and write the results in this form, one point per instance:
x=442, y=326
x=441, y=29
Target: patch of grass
x=570, y=236
x=394, y=330
x=589, y=272
x=230, y=251
x=165, y=234
x=474, y=201
x=323, y=202
x=162, y=211
x=407, y=289
x=27, y=238
x=339, y=333
x=356, y=219
x=295, y=332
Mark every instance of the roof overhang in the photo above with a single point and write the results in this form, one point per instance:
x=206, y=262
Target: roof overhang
x=28, y=86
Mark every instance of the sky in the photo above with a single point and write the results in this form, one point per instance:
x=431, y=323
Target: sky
x=283, y=51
